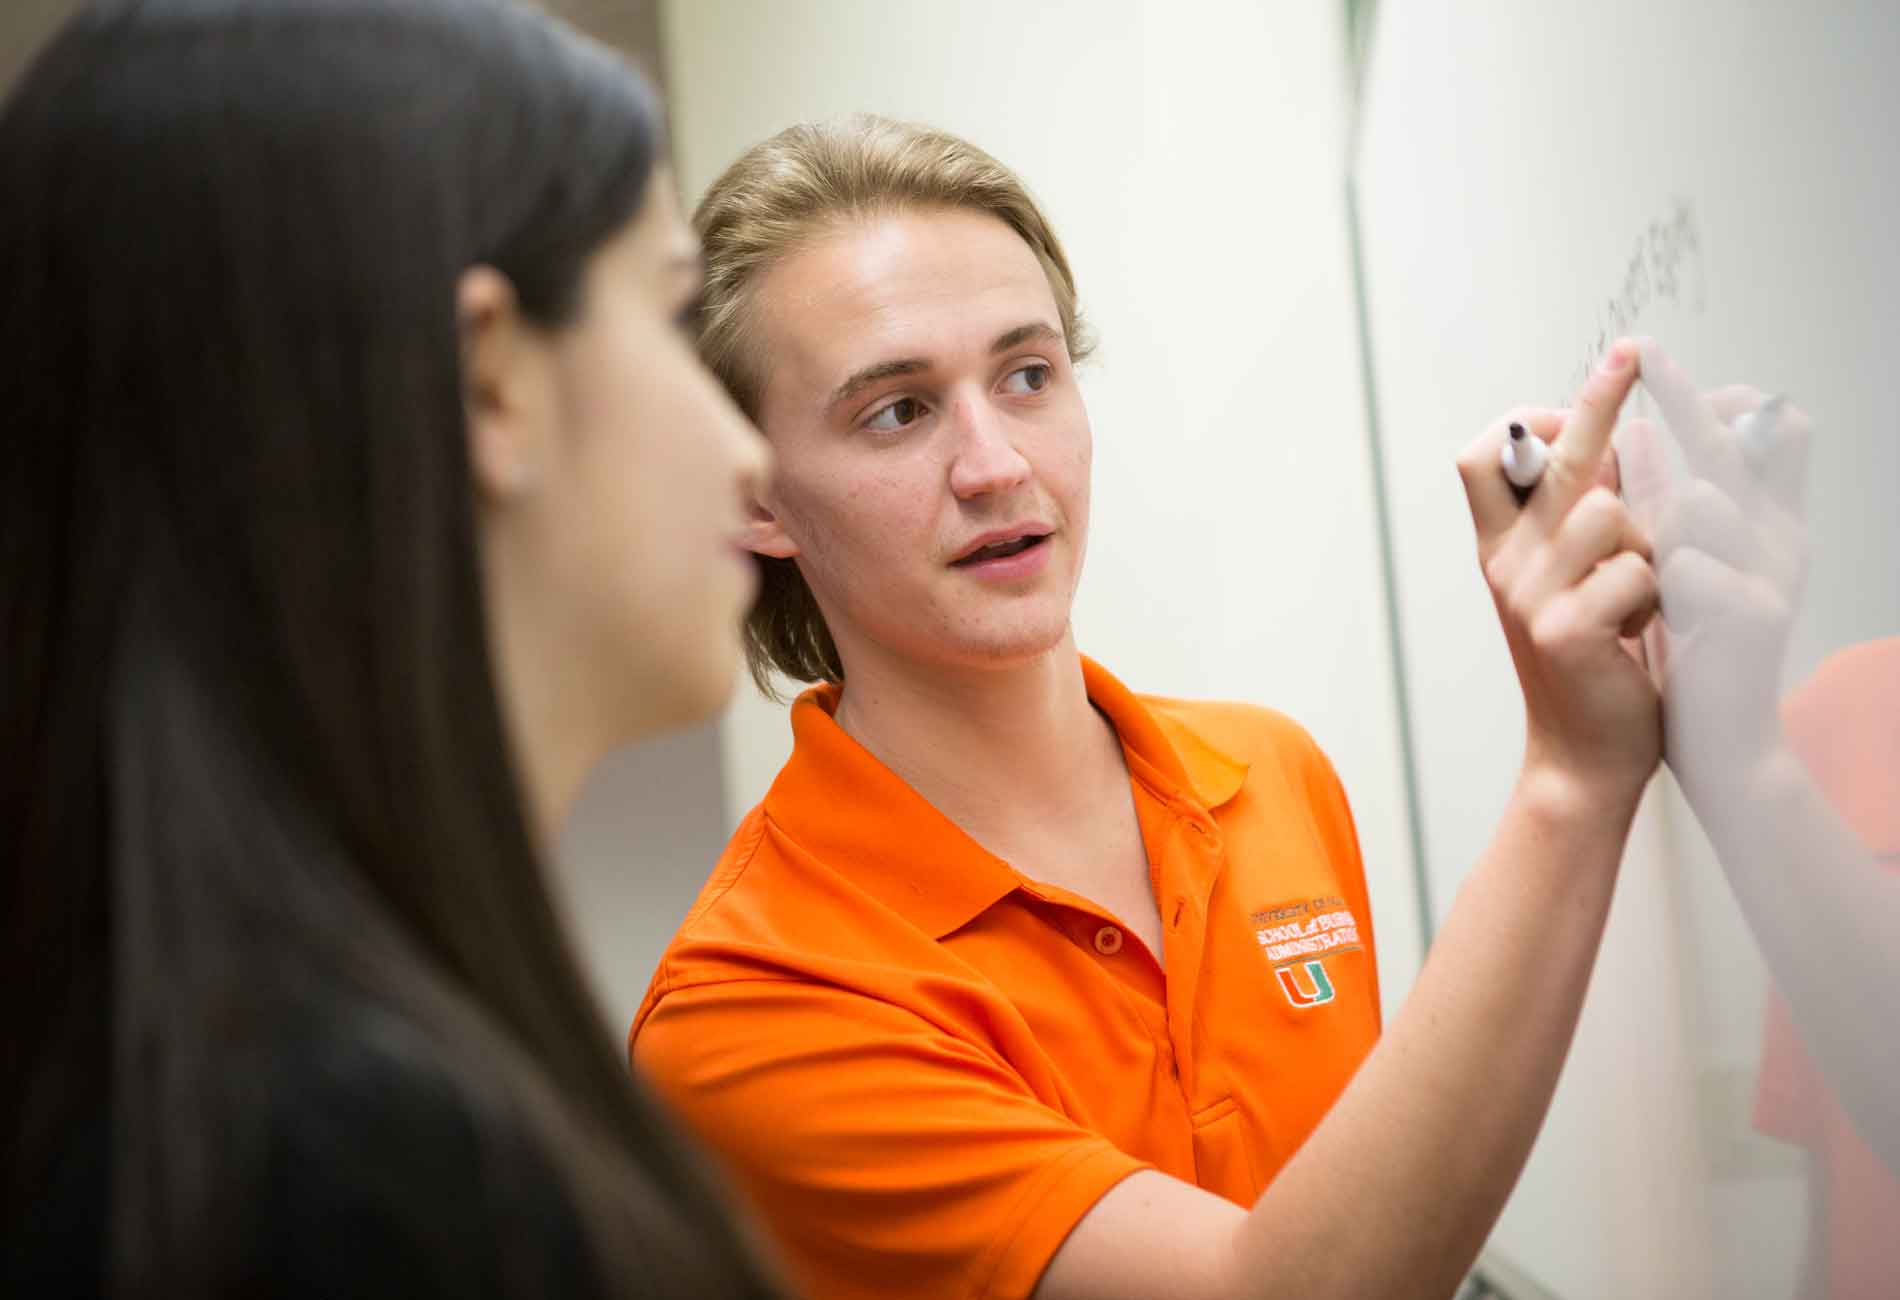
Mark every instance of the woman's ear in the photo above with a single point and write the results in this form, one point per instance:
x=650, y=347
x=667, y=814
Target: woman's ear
x=505, y=386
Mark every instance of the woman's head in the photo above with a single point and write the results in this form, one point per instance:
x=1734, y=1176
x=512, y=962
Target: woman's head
x=846, y=192
x=248, y=241
x=611, y=472
x=359, y=477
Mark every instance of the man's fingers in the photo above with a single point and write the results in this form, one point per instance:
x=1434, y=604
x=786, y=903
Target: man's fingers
x=1494, y=506
x=1598, y=528
x=1621, y=594
x=1610, y=471
x=1578, y=452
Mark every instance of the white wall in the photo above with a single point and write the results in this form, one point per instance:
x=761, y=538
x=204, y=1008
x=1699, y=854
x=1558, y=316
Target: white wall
x=1191, y=161
x=633, y=855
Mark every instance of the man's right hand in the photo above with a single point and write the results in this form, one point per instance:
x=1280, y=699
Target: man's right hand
x=1572, y=577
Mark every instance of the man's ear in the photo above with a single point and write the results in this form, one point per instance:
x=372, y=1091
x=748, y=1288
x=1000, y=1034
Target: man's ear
x=765, y=533
x=504, y=386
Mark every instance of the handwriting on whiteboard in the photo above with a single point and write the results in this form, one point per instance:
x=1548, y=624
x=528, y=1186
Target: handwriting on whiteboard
x=1664, y=267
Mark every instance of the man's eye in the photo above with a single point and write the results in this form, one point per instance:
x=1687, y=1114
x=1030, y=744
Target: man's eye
x=1027, y=379
x=898, y=414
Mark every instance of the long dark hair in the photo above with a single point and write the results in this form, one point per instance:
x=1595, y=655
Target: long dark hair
x=255, y=767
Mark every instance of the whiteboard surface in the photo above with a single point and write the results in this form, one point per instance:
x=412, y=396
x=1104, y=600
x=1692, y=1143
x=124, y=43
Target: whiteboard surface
x=1533, y=182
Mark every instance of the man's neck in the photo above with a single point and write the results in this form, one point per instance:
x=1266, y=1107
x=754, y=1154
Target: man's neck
x=997, y=750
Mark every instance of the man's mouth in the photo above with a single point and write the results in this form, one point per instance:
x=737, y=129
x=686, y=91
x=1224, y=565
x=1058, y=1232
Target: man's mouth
x=1001, y=550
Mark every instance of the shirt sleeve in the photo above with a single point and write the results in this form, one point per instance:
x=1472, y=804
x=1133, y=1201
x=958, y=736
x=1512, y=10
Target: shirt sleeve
x=886, y=1156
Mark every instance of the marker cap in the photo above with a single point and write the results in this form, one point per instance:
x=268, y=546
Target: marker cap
x=1523, y=457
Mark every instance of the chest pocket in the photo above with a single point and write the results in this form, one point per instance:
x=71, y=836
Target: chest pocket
x=1222, y=1162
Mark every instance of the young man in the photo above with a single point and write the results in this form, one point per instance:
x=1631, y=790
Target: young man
x=1018, y=982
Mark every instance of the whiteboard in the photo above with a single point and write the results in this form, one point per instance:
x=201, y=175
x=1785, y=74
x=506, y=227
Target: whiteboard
x=1533, y=181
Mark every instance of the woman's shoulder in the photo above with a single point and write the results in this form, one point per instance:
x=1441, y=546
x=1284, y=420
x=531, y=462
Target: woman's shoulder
x=361, y=1165
x=384, y=1171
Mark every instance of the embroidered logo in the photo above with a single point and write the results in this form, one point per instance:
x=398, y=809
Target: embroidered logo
x=1322, y=988
x=1297, y=938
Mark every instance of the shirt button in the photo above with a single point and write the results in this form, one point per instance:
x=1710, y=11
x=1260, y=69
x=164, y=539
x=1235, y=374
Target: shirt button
x=1108, y=941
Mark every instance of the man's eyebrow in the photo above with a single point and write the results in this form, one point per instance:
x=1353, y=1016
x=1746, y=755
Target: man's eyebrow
x=863, y=379
x=1035, y=329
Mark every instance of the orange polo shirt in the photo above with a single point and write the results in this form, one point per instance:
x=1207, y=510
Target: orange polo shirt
x=924, y=1067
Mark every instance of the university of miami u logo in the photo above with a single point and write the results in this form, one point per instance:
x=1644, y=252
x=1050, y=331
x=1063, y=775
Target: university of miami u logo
x=1322, y=990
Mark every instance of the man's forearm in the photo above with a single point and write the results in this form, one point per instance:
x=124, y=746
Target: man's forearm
x=1396, y=1190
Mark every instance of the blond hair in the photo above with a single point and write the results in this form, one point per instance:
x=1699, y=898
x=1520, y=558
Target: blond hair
x=780, y=195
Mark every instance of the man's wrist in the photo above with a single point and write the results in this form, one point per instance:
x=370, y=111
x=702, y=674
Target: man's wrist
x=1556, y=794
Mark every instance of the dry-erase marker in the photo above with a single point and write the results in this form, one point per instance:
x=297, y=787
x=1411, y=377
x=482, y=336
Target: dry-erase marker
x=1523, y=457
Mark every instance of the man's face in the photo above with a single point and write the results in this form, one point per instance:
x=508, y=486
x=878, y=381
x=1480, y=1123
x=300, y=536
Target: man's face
x=919, y=398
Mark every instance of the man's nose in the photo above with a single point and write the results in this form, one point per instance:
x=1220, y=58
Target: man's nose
x=985, y=459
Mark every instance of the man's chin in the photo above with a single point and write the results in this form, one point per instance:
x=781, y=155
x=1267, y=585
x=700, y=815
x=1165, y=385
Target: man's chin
x=1011, y=646
x=964, y=635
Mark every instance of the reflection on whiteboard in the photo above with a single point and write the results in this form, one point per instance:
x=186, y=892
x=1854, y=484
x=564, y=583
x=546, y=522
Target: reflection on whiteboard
x=1799, y=797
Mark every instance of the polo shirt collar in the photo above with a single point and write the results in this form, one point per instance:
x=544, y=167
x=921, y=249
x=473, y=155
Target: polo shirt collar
x=1171, y=749
x=839, y=804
